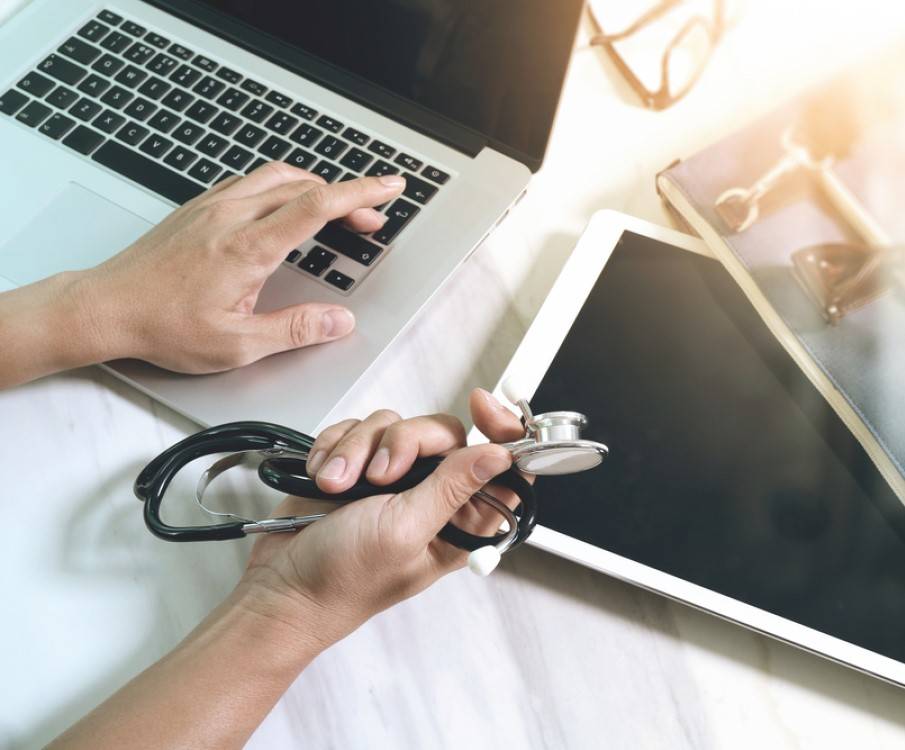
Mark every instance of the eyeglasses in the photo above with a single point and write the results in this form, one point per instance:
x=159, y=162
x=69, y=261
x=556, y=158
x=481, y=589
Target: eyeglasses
x=683, y=60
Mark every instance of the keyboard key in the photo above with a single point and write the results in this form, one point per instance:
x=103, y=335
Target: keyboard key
x=250, y=135
x=116, y=42
x=329, y=123
x=154, y=88
x=132, y=133
x=356, y=159
x=162, y=64
x=259, y=162
x=108, y=121
x=293, y=256
x=34, y=114
x=205, y=63
x=326, y=170
x=212, y=145
x=317, y=261
x=147, y=172
x=432, y=173
x=201, y=111
x=303, y=111
x=57, y=126
x=205, y=170
x=84, y=140
x=348, y=176
x=79, y=50
x=281, y=100
x=253, y=87
x=178, y=100
x=164, y=121
x=139, y=53
x=229, y=75
x=117, y=97
x=339, y=280
x=331, y=147
x=185, y=76
x=130, y=76
x=300, y=158
x=63, y=70
x=382, y=168
x=188, y=133
x=232, y=99
x=281, y=123
x=180, y=157
x=94, y=85
x=133, y=28
x=381, y=149
x=356, y=136
x=108, y=16
x=335, y=236
x=140, y=109
x=274, y=148
x=225, y=123
x=63, y=98
x=85, y=109
x=156, y=146
x=181, y=52
x=225, y=175
x=418, y=190
x=36, y=84
x=209, y=87
x=93, y=31
x=236, y=158
x=306, y=135
x=157, y=40
x=409, y=162
x=108, y=65
x=400, y=214
x=257, y=111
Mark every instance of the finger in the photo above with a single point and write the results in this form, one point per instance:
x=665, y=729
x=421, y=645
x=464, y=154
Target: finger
x=325, y=442
x=267, y=177
x=365, y=220
x=296, y=326
x=289, y=226
x=493, y=419
x=421, y=512
x=408, y=440
x=345, y=463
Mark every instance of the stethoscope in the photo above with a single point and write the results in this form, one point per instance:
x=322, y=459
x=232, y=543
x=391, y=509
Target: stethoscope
x=552, y=445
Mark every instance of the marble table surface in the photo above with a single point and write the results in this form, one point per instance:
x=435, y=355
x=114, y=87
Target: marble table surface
x=545, y=653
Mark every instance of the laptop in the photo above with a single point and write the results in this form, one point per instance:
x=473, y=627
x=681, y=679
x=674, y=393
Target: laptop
x=112, y=113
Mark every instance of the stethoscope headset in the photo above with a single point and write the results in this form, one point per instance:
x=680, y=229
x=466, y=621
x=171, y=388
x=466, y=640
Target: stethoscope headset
x=552, y=445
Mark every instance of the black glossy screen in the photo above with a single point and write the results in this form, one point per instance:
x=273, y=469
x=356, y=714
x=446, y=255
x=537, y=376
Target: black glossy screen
x=726, y=468
x=495, y=66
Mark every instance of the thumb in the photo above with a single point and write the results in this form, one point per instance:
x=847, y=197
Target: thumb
x=431, y=504
x=301, y=325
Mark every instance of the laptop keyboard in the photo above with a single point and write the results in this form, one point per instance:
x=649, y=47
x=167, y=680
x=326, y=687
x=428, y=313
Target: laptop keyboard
x=176, y=122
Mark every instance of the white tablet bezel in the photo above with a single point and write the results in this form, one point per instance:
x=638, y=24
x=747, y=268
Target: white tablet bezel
x=531, y=361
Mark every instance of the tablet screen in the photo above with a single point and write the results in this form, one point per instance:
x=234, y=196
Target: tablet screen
x=727, y=468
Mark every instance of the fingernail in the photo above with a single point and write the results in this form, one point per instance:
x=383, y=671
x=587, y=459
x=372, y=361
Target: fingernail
x=392, y=181
x=314, y=463
x=334, y=469
x=338, y=323
x=487, y=467
x=489, y=398
x=380, y=463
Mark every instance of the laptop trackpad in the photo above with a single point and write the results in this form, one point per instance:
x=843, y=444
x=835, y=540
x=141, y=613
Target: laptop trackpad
x=77, y=229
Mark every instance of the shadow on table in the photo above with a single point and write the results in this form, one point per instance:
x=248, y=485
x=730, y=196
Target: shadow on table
x=707, y=632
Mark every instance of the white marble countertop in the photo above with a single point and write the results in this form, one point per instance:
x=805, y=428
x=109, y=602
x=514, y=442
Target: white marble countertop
x=544, y=654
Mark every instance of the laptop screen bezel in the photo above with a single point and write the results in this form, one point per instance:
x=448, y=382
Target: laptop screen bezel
x=355, y=87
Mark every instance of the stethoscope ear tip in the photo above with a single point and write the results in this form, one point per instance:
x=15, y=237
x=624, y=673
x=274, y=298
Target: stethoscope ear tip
x=483, y=561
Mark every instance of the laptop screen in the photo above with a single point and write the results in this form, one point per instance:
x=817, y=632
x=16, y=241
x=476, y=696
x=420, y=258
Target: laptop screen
x=727, y=468
x=495, y=66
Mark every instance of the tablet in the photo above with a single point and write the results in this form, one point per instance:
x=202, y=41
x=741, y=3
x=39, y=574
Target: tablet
x=731, y=483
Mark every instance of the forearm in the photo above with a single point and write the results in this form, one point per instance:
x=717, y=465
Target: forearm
x=49, y=326
x=213, y=690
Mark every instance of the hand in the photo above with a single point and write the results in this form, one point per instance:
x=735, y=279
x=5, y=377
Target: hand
x=183, y=296
x=370, y=554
